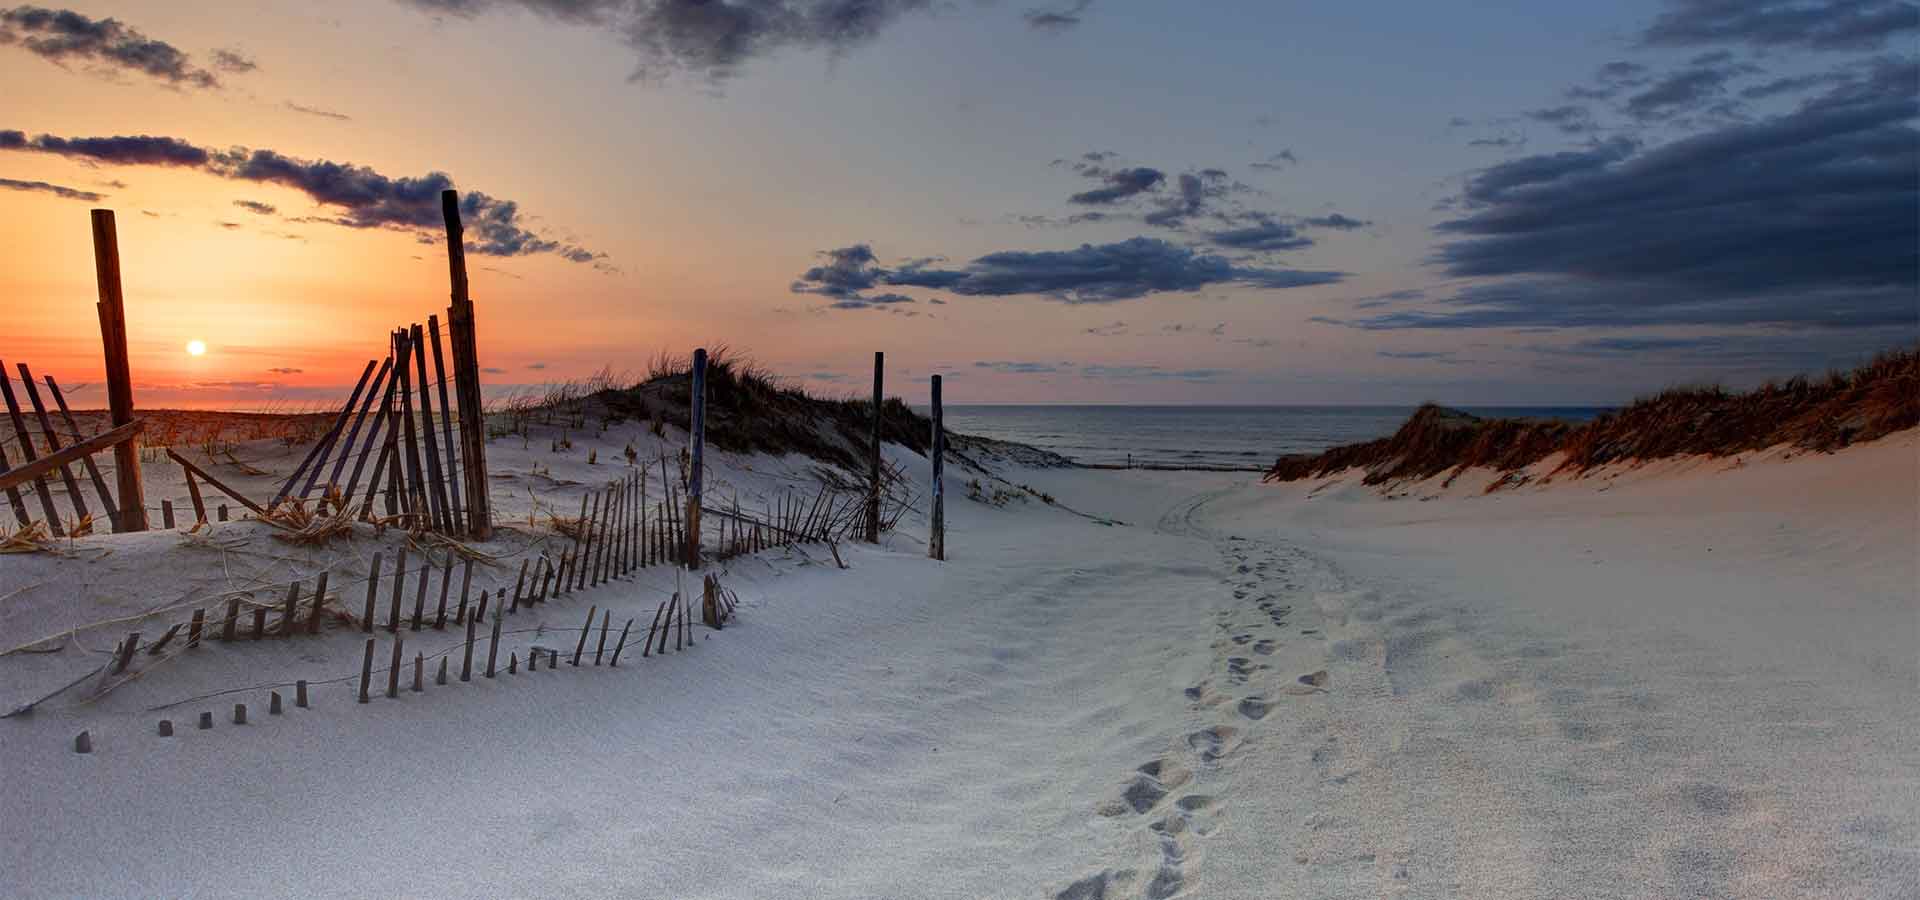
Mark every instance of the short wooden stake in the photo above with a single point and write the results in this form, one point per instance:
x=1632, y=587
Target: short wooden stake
x=273, y=703
x=520, y=582
x=646, y=649
x=446, y=585
x=259, y=622
x=193, y=629
x=206, y=721
x=513, y=663
x=239, y=714
x=441, y=678
x=366, y=671
x=166, y=518
x=605, y=617
x=291, y=613
x=233, y=619
x=466, y=583
x=166, y=728
x=83, y=743
x=419, y=673
x=373, y=588
x=319, y=603
x=399, y=587
x=622, y=645
x=223, y=512
x=300, y=693
x=466, y=663
x=493, y=648
x=420, y=596
x=393, y=669
x=124, y=654
x=584, y=630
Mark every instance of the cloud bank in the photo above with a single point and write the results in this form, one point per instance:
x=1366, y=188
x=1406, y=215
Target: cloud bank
x=62, y=36
x=356, y=196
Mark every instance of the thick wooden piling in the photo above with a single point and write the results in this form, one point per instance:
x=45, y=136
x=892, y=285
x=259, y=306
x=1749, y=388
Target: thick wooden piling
x=113, y=338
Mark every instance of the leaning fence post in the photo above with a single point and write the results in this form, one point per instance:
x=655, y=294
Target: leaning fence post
x=366, y=670
x=937, y=539
x=466, y=375
x=113, y=337
x=873, y=452
x=699, y=437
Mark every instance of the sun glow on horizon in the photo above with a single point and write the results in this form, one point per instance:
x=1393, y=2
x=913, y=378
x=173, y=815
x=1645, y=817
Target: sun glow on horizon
x=196, y=347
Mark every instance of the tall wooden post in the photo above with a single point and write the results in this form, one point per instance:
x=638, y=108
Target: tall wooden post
x=937, y=539
x=873, y=487
x=699, y=437
x=113, y=338
x=466, y=376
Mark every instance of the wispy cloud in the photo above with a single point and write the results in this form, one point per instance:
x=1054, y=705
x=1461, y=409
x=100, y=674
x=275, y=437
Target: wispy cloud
x=54, y=189
x=317, y=111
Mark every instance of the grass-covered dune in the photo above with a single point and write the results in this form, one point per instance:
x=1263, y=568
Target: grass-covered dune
x=1823, y=414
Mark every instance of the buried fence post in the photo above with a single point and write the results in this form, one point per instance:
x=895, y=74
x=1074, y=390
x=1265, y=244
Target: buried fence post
x=937, y=538
x=319, y=602
x=113, y=338
x=373, y=588
x=493, y=647
x=873, y=452
x=699, y=437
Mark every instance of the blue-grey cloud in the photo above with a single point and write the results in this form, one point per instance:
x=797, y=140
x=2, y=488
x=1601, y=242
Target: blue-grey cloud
x=356, y=196
x=1092, y=273
x=1120, y=185
x=1572, y=118
x=1828, y=25
x=1415, y=354
x=1057, y=20
x=1335, y=221
x=1128, y=373
x=1265, y=235
x=1689, y=89
x=710, y=39
x=255, y=206
x=1278, y=161
x=63, y=36
x=54, y=189
x=1012, y=367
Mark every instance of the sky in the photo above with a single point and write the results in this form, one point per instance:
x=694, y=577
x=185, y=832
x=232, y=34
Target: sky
x=1090, y=201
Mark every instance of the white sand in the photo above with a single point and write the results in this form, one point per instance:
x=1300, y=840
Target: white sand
x=1554, y=692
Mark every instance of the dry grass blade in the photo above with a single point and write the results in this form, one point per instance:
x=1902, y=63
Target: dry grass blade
x=299, y=525
x=32, y=537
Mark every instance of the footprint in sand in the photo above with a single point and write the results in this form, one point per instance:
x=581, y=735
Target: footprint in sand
x=1215, y=742
x=1255, y=708
x=1265, y=647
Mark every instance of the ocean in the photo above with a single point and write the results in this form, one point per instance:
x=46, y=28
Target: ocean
x=1237, y=436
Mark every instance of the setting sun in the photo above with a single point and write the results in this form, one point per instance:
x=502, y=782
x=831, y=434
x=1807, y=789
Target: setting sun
x=196, y=347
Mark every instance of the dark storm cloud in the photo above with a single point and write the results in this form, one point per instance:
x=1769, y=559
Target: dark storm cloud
x=1057, y=20
x=1830, y=25
x=710, y=39
x=63, y=36
x=1808, y=219
x=54, y=189
x=362, y=197
x=1121, y=185
x=1091, y=273
x=255, y=206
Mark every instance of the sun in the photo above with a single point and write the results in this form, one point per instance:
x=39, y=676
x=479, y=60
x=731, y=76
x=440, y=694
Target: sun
x=196, y=347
